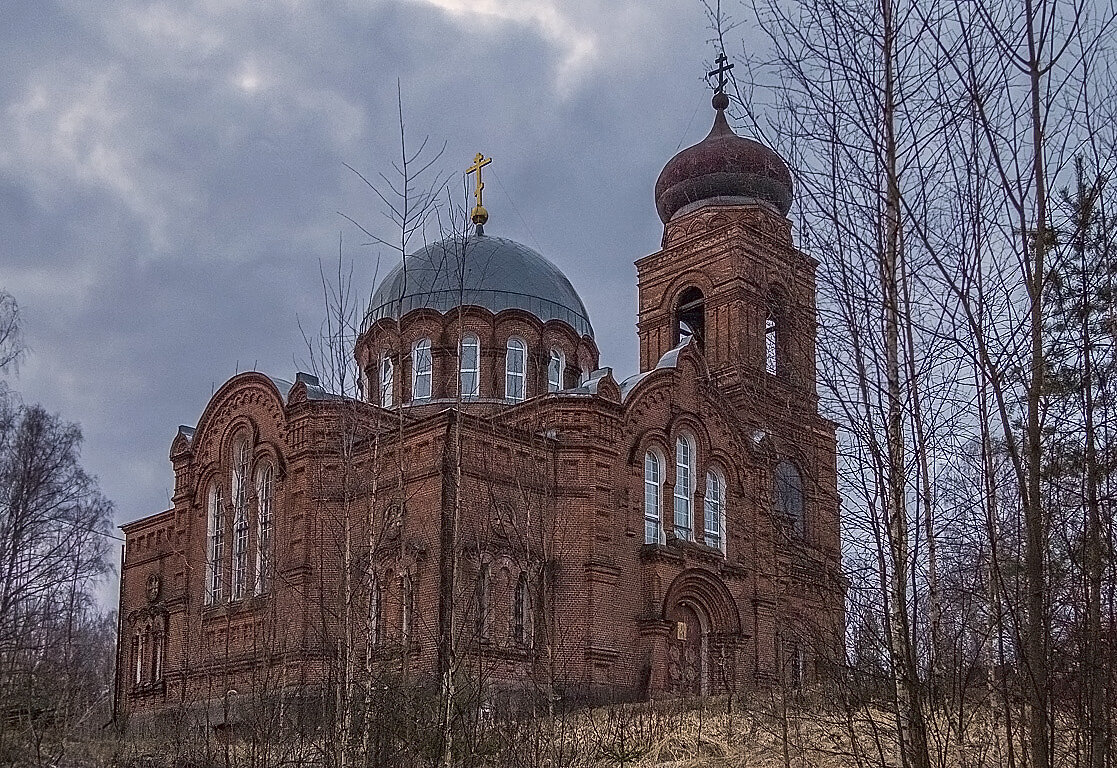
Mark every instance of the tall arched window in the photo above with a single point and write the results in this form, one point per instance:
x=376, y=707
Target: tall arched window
x=556, y=370
x=470, y=366
x=521, y=613
x=421, y=370
x=139, y=643
x=215, y=549
x=265, y=504
x=713, y=510
x=158, y=652
x=653, y=495
x=684, y=488
x=515, y=370
x=241, y=454
x=407, y=608
x=484, y=605
x=387, y=382
x=374, y=597
x=771, y=326
x=787, y=494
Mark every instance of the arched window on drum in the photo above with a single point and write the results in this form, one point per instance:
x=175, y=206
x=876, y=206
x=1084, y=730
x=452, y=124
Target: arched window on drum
x=515, y=370
x=469, y=367
x=556, y=370
x=421, y=370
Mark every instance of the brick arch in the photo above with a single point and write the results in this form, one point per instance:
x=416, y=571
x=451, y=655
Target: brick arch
x=653, y=437
x=691, y=278
x=706, y=591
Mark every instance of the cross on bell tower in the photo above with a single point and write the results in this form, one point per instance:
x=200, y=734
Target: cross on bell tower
x=721, y=71
x=721, y=100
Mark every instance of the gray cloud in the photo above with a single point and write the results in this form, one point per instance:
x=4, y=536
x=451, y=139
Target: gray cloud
x=172, y=172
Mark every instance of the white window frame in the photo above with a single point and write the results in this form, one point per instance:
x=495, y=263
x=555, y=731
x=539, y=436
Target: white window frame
x=215, y=549
x=241, y=460
x=653, y=498
x=515, y=370
x=713, y=509
x=556, y=370
x=422, y=370
x=469, y=366
x=158, y=642
x=386, y=373
x=140, y=650
x=265, y=513
x=684, y=487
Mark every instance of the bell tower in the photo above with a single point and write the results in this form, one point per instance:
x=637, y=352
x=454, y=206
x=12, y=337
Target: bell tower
x=728, y=275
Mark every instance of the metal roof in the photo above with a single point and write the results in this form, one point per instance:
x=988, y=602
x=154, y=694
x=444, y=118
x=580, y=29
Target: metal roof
x=498, y=274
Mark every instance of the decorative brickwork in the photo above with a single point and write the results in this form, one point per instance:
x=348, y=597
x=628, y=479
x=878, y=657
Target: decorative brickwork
x=563, y=541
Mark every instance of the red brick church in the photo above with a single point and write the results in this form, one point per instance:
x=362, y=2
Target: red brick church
x=496, y=502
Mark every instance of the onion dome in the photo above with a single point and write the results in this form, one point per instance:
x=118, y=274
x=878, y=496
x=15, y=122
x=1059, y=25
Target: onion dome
x=498, y=274
x=723, y=167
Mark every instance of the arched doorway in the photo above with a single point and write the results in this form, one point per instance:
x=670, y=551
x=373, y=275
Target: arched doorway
x=688, y=650
x=703, y=635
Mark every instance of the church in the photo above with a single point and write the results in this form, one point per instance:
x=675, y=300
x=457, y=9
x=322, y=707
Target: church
x=494, y=505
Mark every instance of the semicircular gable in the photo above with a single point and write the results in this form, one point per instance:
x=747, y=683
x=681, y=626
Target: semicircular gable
x=245, y=391
x=709, y=592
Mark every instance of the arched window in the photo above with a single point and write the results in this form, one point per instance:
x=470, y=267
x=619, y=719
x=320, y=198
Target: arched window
x=713, y=510
x=771, y=326
x=215, y=549
x=484, y=607
x=138, y=642
x=158, y=650
x=521, y=613
x=470, y=366
x=387, y=383
x=241, y=454
x=407, y=608
x=787, y=494
x=421, y=368
x=556, y=370
x=653, y=498
x=515, y=369
x=265, y=504
x=374, y=596
x=684, y=488
x=690, y=316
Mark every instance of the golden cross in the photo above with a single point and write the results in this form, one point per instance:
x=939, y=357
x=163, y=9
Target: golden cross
x=479, y=162
x=721, y=71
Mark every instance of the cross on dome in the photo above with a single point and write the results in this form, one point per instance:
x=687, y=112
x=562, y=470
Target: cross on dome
x=721, y=101
x=479, y=215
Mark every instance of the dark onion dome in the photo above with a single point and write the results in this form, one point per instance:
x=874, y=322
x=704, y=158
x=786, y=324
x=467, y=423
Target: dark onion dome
x=726, y=166
x=499, y=274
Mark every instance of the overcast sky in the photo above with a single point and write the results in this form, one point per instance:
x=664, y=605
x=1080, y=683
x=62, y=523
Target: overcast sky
x=171, y=174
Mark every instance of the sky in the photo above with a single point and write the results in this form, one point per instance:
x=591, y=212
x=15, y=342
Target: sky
x=173, y=174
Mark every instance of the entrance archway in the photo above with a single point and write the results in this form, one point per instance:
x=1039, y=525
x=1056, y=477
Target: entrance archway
x=688, y=650
x=704, y=634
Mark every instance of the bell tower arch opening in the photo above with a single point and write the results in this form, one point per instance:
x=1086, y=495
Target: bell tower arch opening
x=690, y=317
